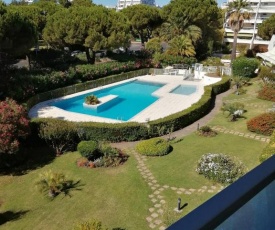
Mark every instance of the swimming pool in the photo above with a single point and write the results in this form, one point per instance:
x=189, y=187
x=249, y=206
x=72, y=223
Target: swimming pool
x=184, y=89
x=129, y=99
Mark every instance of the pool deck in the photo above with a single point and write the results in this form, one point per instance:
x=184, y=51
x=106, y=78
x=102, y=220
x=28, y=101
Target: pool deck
x=167, y=104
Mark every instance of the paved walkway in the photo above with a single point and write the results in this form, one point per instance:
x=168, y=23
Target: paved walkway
x=158, y=202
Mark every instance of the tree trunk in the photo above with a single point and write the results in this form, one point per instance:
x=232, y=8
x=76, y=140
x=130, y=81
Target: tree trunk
x=93, y=58
x=234, y=47
x=28, y=59
x=88, y=55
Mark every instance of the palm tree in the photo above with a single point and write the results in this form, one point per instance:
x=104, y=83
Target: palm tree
x=181, y=45
x=236, y=16
x=51, y=182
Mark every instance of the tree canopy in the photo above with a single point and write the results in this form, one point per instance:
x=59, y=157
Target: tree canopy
x=267, y=28
x=90, y=28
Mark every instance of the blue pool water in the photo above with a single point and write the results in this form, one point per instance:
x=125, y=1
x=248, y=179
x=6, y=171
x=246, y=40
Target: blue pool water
x=132, y=98
x=257, y=213
x=184, y=89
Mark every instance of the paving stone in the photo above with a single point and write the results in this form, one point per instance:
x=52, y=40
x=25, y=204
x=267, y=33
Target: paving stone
x=154, y=215
x=154, y=200
x=154, y=181
x=159, y=196
x=162, y=228
x=179, y=192
x=157, y=185
x=192, y=190
x=151, y=195
x=211, y=191
x=149, y=219
x=162, y=201
x=157, y=192
x=213, y=187
x=173, y=188
x=204, y=187
x=160, y=211
x=241, y=134
x=151, y=209
x=157, y=205
x=200, y=190
x=153, y=187
x=149, y=183
x=157, y=222
x=152, y=225
x=187, y=193
x=161, y=189
x=182, y=189
x=151, y=178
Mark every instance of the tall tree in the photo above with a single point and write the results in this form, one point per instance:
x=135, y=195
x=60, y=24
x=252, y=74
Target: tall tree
x=90, y=28
x=143, y=20
x=267, y=28
x=18, y=34
x=236, y=14
x=198, y=20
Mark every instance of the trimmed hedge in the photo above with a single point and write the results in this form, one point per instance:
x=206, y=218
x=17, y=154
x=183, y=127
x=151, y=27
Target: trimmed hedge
x=153, y=147
x=263, y=124
x=269, y=150
x=88, y=149
x=245, y=67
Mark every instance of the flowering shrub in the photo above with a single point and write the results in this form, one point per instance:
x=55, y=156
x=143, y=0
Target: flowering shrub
x=267, y=93
x=99, y=155
x=153, y=147
x=262, y=124
x=220, y=168
x=14, y=126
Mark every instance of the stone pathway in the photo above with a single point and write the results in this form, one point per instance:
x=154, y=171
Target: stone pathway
x=236, y=133
x=155, y=212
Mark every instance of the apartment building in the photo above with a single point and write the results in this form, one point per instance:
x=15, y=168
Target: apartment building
x=260, y=11
x=121, y=4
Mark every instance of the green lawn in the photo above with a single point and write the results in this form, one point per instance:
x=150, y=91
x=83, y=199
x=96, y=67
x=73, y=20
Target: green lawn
x=119, y=197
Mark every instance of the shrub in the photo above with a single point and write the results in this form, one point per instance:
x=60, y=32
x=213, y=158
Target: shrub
x=234, y=110
x=206, y=131
x=220, y=168
x=91, y=100
x=51, y=183
x=60, y=135
x=263, y=124
x=90, y=225
x=88, y=149
x=269, y=150
x=14, y=126
x=267, y=76
x=153, y=147
x=267, y=93
x=245, y=67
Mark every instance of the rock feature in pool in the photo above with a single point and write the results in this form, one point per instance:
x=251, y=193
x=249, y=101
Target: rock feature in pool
x=105, y=102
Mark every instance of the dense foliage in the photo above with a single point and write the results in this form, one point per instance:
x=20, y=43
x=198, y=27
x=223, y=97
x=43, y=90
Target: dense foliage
x=263, y=124
x=60, y=135
x=245, y=67
x=153, y=147
x=14, y=126
x=91, y=100
x=220, y=168
x=269, y=150
x=267, y=28
x=267, y=93
x=234, y=110
x=88, y=149
x=206, y=131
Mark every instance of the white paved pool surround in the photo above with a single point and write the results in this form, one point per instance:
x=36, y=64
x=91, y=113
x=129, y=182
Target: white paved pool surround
x=167, y=104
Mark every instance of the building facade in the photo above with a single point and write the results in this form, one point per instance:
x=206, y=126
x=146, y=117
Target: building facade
x=121, y=4
x=260, y=11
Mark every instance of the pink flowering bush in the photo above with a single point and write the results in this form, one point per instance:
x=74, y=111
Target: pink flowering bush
x=14, y=126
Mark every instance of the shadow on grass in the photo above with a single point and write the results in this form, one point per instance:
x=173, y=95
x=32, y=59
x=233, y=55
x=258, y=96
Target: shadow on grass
x=28, y=158
x=70, y=186
x=11, y=216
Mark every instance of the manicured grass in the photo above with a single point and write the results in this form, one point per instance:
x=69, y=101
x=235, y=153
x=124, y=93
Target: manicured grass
x=178, y=168
x=116, y=196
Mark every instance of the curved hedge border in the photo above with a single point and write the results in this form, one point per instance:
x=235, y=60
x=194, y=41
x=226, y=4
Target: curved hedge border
x=132, y=131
